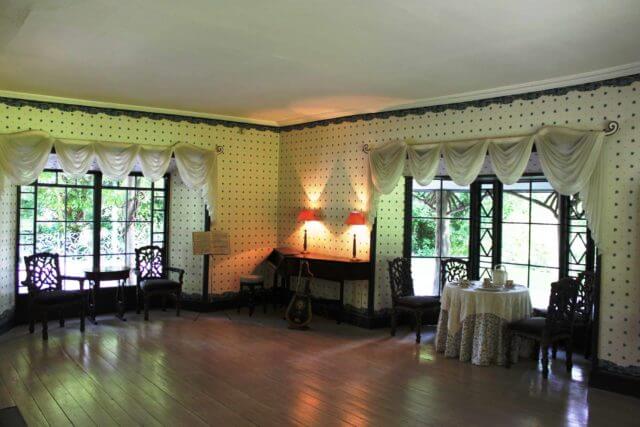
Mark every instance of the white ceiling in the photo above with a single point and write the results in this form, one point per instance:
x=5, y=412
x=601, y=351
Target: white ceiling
x=291, y=61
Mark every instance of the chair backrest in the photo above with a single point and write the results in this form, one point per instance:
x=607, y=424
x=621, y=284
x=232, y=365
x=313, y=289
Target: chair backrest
x=586, y=292
x=150, y=262
x=562, y=305
x=400, y=278
x=453, y=270
x=43, y=272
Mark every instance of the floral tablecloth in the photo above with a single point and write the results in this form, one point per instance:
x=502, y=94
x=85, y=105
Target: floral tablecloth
x=473, y=321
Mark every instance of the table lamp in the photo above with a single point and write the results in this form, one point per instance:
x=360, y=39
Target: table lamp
x=355, y=218
x=305, y=216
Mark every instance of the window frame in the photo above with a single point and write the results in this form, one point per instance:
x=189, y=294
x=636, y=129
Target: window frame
x=97, y=188
x=476, y=188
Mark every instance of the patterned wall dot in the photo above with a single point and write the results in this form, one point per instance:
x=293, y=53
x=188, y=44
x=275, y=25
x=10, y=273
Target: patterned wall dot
x=328, y=160
x=186, y=215
x=7, y=247
x=251, y=221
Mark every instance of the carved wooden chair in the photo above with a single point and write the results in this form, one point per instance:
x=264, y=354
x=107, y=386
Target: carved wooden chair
x=453, y=270
x=46, y=292
x=584, y=311
x=556, y=327
x=584, y=308
x=153, y=278
x=403, y=297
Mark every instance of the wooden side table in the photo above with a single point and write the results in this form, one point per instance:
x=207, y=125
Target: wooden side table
x=108, y=275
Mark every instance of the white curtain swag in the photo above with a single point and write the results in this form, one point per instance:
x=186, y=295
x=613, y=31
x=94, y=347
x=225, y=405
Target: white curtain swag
x=23, y=156
x=570, y=159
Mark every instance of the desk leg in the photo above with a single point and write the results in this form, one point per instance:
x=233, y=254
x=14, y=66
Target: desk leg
x=341, y=309
x=92, y=302
x=120, y=301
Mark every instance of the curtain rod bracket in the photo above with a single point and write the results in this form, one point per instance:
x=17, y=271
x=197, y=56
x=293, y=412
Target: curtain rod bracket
x=612, y=128
x=220, y=149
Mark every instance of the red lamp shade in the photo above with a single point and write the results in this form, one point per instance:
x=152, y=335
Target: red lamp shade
x=307, y=215
x=356, y=218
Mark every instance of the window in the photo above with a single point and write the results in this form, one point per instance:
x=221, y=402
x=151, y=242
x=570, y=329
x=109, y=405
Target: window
x=539, y=235
x=440, y=229
x=531, y=236
x=68, y=216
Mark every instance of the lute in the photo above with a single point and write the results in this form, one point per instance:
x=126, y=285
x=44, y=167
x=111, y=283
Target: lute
x=298, y=312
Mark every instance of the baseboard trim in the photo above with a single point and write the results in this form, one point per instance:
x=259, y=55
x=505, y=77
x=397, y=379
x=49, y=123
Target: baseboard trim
x=605, y=379
x=7, y=320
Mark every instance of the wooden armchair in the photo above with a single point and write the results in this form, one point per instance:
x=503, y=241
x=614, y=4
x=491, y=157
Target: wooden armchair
x=403, y=297
x=153, y=278
x=453, y=270
x=46, y=292
x=557, y=326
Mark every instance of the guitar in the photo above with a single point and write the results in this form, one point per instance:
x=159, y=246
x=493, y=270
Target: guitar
x=298, y=312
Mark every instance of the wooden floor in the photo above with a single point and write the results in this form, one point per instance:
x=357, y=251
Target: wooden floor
x=227, y=369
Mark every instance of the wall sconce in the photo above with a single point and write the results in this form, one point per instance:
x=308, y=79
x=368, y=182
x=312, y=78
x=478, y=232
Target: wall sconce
x=305, y=216
x=355, y=218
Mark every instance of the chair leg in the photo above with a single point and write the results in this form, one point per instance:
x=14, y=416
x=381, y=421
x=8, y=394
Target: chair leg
x=82, y=315
x=554, y=350
x=145, y=297
x=252, y=301
x=587, y=342
x=545, y=360
x=265, y=300
x=32, y=321
x=164, y=303
x=569, y=345
x=137, y=300
x=45, y=325
x=418, y=325
x=178, y=302
x=61, y=319
x=394, y=322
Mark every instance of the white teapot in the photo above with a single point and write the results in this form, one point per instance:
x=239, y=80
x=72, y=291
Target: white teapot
x=500, y=275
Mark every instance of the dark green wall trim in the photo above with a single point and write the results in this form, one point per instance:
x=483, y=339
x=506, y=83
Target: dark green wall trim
x=6, y=320
x=611, y=377
x=43, y=105
x=416, y=111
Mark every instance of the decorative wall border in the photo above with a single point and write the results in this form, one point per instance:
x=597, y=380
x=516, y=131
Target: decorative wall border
x=583, y=87
x=479, y=103
x=136, y=114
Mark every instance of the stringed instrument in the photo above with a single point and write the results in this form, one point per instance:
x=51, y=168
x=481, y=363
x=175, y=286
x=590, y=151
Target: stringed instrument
x=298, y=312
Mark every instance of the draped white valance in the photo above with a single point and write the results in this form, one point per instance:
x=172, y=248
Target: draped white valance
x=570, y=159
x=23, y=156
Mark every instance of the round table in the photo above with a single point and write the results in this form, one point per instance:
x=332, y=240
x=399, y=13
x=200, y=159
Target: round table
x=473, y=321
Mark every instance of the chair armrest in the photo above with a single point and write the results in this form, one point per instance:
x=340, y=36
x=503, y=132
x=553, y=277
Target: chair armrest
x=180, y=272
x=80, y=279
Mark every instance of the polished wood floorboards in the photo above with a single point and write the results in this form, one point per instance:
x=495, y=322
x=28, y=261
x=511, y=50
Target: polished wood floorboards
x=228, y=369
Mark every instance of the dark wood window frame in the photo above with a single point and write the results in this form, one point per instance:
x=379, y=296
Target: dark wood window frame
x=97, y=188
x=476, y=189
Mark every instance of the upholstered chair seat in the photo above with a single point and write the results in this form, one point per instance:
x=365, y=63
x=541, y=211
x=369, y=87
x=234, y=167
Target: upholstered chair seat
x=419, y=301
x=58, y=297
x=159, y=284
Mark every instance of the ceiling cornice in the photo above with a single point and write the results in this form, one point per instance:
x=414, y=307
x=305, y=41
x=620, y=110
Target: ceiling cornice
x=45, y=102
x=617, y=76
x=614, y=76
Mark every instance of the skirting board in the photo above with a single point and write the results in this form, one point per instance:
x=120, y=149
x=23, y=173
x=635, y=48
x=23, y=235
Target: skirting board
x=617, y=382
x=6, y=320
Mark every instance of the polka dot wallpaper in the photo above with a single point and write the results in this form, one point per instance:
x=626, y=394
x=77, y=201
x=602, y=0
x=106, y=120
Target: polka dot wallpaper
x=248, y=183
x=7, y=248
x=324, y=167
